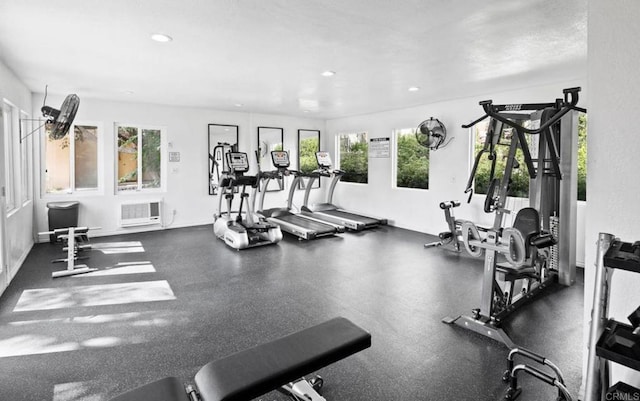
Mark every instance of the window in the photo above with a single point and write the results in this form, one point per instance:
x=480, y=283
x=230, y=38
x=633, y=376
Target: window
x=354, y=157
x=519, y=186
x=412, y=160
x=25, y=158
x=10, y=118
x=72, y=161
x=582, y=157
x=520, y=178
x=139, y=158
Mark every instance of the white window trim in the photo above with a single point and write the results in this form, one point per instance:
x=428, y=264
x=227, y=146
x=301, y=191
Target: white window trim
x=72, y=191
x=11, y=114
x=163, y=160
x=26, y=158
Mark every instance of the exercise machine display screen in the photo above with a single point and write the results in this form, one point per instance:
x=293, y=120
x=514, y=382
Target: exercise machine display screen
x=238, y=161
x=324, y=159
x=280, y=158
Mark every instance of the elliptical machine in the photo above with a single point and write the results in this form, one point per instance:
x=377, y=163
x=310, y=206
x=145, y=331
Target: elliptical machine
x=241, y=231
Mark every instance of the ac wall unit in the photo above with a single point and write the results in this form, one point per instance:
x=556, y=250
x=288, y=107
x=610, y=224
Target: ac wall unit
x=140, y=213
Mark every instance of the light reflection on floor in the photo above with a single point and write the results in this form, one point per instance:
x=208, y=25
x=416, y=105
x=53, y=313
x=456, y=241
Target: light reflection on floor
x=118, y=247
x=121, y=268
x=94, y=295
x=153, y=318
x=34, y=340
x=75, y=391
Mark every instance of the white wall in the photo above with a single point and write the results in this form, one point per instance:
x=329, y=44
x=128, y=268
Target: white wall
x=613, y=163
x=187, y=180
x=449, y=167
x=18, y=223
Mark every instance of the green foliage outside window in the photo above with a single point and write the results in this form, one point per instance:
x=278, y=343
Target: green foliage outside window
x=519, y=186
x=520, y=177
x=413, y=161
x=151, y=158
x=130, y=147
x=308, y=149
x=582, y=157
x=354, y=157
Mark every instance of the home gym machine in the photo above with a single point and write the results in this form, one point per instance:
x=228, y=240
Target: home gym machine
x=241, y=232
x=495, y=136
x=330, y=212
x=303, y=227
x=522, y=260
x=278, y=365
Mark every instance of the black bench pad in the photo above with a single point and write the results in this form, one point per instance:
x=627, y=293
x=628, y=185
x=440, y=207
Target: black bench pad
x=258, y=370
x=167, y=389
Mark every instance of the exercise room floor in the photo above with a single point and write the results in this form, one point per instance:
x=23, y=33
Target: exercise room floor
x=176, y=299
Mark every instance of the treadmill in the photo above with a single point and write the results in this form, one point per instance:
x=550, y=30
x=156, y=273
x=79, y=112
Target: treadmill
x=330, y=212
x=303, y=227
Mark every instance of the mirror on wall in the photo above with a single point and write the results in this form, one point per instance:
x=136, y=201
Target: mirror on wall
x=269, y=139
x=222, y=138
x=308, y=145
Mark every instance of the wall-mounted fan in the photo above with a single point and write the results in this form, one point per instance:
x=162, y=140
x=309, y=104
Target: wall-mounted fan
x=58, y=120
x=431, y=134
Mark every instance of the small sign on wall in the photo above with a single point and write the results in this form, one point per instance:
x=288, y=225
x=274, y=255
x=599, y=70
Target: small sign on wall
x=380, y=147
x=174, y=157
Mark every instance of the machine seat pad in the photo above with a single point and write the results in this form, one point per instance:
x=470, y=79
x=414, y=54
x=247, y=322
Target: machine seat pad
x=543, y=240
x=167, y=389
x=253, y=372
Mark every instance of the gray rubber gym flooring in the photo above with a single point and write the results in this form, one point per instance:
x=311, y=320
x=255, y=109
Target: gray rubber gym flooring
x=177, y=299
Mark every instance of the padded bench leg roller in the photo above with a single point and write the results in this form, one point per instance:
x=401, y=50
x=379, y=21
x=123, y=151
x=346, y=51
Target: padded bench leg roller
x=277, y=365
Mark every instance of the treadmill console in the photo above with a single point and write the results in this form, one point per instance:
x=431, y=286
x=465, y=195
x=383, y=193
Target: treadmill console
x=280, y=158
x=324, y=159
x=238, y=162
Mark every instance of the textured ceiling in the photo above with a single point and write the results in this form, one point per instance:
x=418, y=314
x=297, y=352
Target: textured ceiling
x=268, y=54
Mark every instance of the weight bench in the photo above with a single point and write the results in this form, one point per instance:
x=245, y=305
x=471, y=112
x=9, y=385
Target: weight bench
x=74, y=238
x=277, y=365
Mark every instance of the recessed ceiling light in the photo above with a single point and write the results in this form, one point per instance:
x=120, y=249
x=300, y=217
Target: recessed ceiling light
x=238, y=104
x=328, y=73
x=161, y=37
x=414, y=89
x=305, y=111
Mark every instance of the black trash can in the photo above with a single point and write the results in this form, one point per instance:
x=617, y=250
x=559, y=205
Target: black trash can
x=62, y=215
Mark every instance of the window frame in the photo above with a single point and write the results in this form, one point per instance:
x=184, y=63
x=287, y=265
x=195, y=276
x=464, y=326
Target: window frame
x=72, y=190
x=163, y=159
x=26, y=158
x=394, y=170
x=11, y=121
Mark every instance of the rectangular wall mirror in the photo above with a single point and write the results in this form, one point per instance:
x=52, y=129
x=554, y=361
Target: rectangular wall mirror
x=308, y=145
x=269, y=138
x=222, y=138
